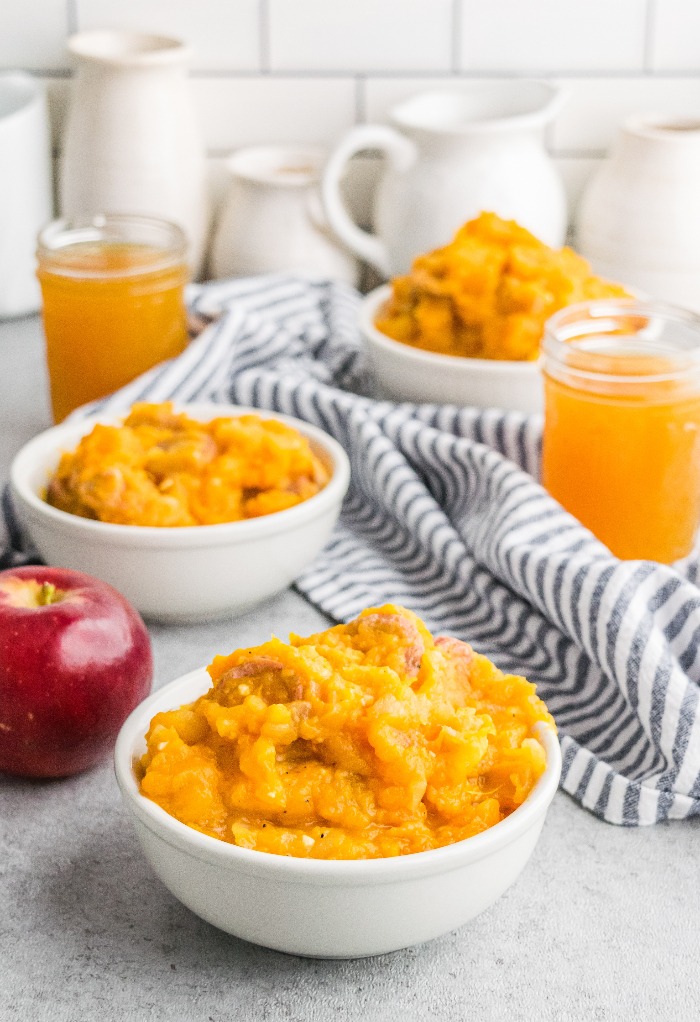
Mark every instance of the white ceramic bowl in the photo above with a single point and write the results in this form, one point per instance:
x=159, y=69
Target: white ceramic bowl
x=405, y=373
x=326, y=909
x=181, y=574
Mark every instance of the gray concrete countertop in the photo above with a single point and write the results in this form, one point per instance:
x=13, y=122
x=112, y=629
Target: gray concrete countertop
x=604, y=923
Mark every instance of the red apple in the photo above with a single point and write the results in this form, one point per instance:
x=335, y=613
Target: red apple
x=75, y=659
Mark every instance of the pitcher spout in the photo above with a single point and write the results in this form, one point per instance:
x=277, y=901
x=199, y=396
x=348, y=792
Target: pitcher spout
x=481, y=108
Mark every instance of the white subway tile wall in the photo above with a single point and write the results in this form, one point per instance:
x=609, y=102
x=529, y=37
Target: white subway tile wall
x=361, y=35
x=34, y=42
x=552, y=35
x=675, y=40
x=306, y=70
x=224, y=34
x=595, y=107
x=251, y=111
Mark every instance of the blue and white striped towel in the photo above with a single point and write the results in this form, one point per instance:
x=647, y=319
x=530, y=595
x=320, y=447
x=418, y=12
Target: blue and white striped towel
x=444, y=516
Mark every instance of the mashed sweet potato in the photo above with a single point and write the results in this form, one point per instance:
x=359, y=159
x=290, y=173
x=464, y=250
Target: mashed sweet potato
x=370, y=739
x=488, y=293
x=166, y=469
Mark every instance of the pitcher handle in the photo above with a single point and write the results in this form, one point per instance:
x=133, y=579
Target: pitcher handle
x=401, y=153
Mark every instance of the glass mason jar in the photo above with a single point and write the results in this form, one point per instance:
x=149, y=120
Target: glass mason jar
x=621, y=445
x=113, y=302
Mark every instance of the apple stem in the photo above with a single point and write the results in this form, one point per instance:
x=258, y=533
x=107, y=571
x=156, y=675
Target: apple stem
x=47, y=595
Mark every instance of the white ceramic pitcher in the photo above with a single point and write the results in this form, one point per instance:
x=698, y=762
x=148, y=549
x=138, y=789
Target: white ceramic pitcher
x=271, y=217
x=639, y=220
x=132, y=144
x=452, y=154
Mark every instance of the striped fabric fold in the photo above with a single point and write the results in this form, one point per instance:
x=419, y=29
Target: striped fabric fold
x=444, y=516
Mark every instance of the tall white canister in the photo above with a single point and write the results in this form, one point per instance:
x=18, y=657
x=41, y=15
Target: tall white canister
x=132, y=142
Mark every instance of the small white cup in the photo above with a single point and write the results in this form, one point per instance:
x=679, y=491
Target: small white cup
x=271, y=219
x=26, y=203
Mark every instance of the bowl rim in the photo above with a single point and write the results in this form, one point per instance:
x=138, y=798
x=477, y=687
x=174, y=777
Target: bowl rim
x=181, y=535
x=320, y=871
x=452, y=363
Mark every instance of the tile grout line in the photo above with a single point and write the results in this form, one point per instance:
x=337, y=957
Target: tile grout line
x=649, y=31
x=264, y=36
x=203, y=74
x=456, y=41
x=71, y=17
x=475, y=74
x=360, y=99
x=217, y=153
x=578, y=154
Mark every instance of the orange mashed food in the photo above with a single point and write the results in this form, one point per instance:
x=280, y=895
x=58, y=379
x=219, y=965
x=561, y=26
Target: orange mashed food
x=163, y=468
x=370, y=739
x=488, y=293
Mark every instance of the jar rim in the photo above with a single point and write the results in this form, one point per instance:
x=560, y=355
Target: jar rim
x=154, y=233
x=575, y=328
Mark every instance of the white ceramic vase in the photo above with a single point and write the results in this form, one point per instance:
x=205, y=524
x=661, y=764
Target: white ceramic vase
x=450, y=155
x=132, y=143
x=271, y=218
x=639, y=217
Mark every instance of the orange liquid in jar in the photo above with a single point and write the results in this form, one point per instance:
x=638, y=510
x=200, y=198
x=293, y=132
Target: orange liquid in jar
x=111, y=310
x=625, y=460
